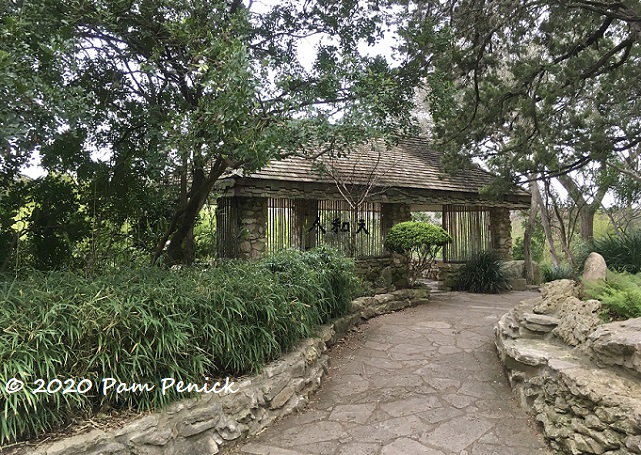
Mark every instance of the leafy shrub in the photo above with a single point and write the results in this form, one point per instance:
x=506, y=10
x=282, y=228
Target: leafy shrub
x=142, y=325
x=537, y=248
x=483, y=274
x=337, y=277
x=556, y=272
x=321, y=275
x=422, y=241
x=57, y=222
x=620, y=295
x=620, y=254
x=580, y=249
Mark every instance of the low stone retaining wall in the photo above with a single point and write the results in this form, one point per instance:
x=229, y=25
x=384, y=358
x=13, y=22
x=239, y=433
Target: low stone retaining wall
x=385, y=273
x=581, y=378
x=202, y=425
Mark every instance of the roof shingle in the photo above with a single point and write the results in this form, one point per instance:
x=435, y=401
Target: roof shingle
x=410, y=164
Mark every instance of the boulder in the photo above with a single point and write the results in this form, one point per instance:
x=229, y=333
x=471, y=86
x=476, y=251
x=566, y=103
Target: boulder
x=554, y=294
x=618, y=343
x=594, y=268
x=516, y=269
x=578, y=319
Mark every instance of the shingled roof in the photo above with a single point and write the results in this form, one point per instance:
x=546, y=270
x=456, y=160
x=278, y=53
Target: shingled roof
x=411, y=164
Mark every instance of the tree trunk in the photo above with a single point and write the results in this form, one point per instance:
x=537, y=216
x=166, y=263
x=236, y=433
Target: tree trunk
x=586, y=211
x=527, y=242
x=613, y=222
x=587, y=222
x=545, y=221
x=565, y=234
x=180, y=234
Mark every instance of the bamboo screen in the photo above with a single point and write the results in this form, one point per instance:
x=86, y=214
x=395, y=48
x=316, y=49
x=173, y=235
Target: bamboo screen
x=281, y=231
x=227, y=235
x=470, y=231
x=338, y=225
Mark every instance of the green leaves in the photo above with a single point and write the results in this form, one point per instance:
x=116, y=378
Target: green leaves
x=146, y=94
x=483, y=274
x=538, y=84
x=145, y=324
x=419, y=239
x=620, y=253
x=415, y=235
x=620, y=295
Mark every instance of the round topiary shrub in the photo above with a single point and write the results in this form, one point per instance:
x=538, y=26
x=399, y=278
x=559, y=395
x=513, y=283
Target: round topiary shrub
x=420, y=241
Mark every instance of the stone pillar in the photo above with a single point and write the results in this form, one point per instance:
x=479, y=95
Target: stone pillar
x=501, y=232
x=392, y=214
x=252, y=227
x=305, y=215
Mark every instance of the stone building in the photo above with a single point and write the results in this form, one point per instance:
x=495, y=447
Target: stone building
x=351, y=202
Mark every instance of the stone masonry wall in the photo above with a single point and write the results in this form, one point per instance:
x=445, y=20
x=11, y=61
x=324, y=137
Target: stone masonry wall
x=501, y=232
x=385, y=273
x=252, y=217
x=200, y=426
x=392, y=214
x=581, y=378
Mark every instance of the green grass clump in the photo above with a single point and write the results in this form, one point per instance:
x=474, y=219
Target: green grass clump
x=483, y=274
x=620, y=295
x=556, y=272
x=142, y=325
x=620, y=254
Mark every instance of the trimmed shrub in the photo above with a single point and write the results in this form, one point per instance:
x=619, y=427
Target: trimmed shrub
x=621, y=255
x=556, y=272
x=421, y=241
x=483, y=274
x=142, y=325
x=620, y=295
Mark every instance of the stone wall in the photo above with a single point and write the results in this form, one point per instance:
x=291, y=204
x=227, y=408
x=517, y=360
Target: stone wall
x=580, y=377
x=252, y=225
x=501, y=232
x=392, y=214
x=384, y=273
x=200, y=426
x=448, y=273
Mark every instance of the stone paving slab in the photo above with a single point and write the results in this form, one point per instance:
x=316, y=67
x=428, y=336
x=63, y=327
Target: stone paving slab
x=424, y=381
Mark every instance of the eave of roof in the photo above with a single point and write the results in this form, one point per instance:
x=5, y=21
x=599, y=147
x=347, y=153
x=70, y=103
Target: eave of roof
x=410, y=164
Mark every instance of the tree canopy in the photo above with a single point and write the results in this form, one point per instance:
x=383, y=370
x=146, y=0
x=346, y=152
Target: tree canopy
x=146, y=103
x=544, y=88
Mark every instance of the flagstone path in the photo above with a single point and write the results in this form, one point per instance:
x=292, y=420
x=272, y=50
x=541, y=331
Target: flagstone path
x=423, y=381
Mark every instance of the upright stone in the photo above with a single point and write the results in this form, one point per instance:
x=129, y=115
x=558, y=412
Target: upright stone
x=594, y=268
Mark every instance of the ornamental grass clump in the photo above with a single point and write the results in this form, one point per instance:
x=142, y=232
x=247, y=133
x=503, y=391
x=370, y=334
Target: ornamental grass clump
x=420, y=241
x=142, y=325
x=557, y=272
x=483, y=274
x=620, y=254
